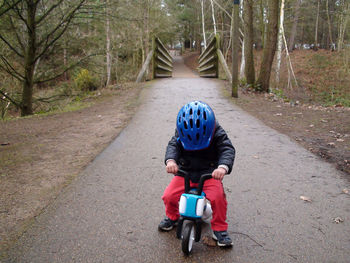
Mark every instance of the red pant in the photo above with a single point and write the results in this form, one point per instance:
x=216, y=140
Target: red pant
x=214, y=193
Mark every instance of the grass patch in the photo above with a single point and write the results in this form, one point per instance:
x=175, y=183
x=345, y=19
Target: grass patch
x=11, y=156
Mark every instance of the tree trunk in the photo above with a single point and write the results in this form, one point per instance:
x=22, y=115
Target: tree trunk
x=108, y=46
x=329, y=26
x=269, y=47
x=316, y=27
x=146, y=28
x=295, y=25
x=262, y=23
x=65, y=75
x=343, y=20
x=248, y=42
x=213, y=15
x=280, y=43
x=29, y=61
x=231, y=32
x=242, y=68
x=203, y=25
x=235, y=46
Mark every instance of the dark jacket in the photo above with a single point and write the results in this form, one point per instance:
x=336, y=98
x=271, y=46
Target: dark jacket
x=220, y=151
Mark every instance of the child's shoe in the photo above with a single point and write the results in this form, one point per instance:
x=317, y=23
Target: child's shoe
x=222, y=238
x=166, y=224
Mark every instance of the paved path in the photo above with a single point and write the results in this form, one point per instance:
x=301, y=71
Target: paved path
x=111, y=213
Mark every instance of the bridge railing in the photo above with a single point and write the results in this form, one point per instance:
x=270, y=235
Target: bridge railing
x=160, y=59
x=212, y=62
x=208, y=60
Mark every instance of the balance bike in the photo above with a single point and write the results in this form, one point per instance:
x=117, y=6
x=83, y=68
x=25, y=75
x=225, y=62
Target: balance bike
x=194, y=209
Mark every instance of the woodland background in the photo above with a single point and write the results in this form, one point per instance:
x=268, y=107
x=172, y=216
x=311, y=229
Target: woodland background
x=54, y=52
x=73, y=65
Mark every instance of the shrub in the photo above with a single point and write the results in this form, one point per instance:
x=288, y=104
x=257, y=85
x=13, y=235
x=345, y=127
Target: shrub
x=84, y=81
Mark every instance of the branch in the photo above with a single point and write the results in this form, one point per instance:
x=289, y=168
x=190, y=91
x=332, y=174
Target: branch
x=9, y=6
x=10, y=69
x=9, y=99
x=16, y=33
x=223, y=9
x=20, y=15
x=240, y=31
x=288, y=56
x=48, y=12
x=11, y=47
x=66, y=21
x=62, y=72
x=51, y=99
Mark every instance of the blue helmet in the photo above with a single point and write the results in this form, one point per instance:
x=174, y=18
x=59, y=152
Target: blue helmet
x=195, y=125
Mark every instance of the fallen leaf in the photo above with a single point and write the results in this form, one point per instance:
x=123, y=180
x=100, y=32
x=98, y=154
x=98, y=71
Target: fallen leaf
x=324, y=121
x=340, y=140
x=207, y=240
x=305, y=198
x=331, y=144
x=278, y=114
x=311, y=125
x=338, y=220
x=256, y=157
x=346, y=191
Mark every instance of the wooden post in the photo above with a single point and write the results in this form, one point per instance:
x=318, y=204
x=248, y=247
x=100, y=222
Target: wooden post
x=224, y=65
x=235, y=45
x=154, y=57
x=144, y=67
x=217, y=47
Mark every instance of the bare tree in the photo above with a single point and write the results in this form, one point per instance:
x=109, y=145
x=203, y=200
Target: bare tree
x=213, y=15
x=248, y=41
x=203, y=24
x=316, y=25
x=329, y=26
x=235, y=46
x=343, y=21
x=263, y=81
x=242, y=68
x=108, y=45
x=280, y=42
x=295, y=25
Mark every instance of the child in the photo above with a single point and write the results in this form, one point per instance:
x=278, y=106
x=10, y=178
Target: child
x=200, y=145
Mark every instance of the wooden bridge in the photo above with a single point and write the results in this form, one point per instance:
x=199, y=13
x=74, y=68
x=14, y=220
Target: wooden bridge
x=211, y=62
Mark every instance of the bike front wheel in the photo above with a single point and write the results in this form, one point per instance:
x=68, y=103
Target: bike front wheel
x=188, y=238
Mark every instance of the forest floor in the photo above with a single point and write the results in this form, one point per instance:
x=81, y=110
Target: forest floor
x=40, y=155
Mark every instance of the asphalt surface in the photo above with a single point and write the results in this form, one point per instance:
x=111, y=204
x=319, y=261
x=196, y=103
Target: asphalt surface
x=111, y=213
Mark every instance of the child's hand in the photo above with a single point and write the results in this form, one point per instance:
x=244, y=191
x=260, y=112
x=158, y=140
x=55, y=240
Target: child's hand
x=219, y=173
x=171, y=167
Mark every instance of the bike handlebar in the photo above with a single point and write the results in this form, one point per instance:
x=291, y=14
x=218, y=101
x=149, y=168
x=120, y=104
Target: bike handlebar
x=202, y=179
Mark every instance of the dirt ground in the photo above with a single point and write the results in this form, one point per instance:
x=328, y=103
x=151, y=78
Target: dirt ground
x=324, y=131
x=40, y=155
